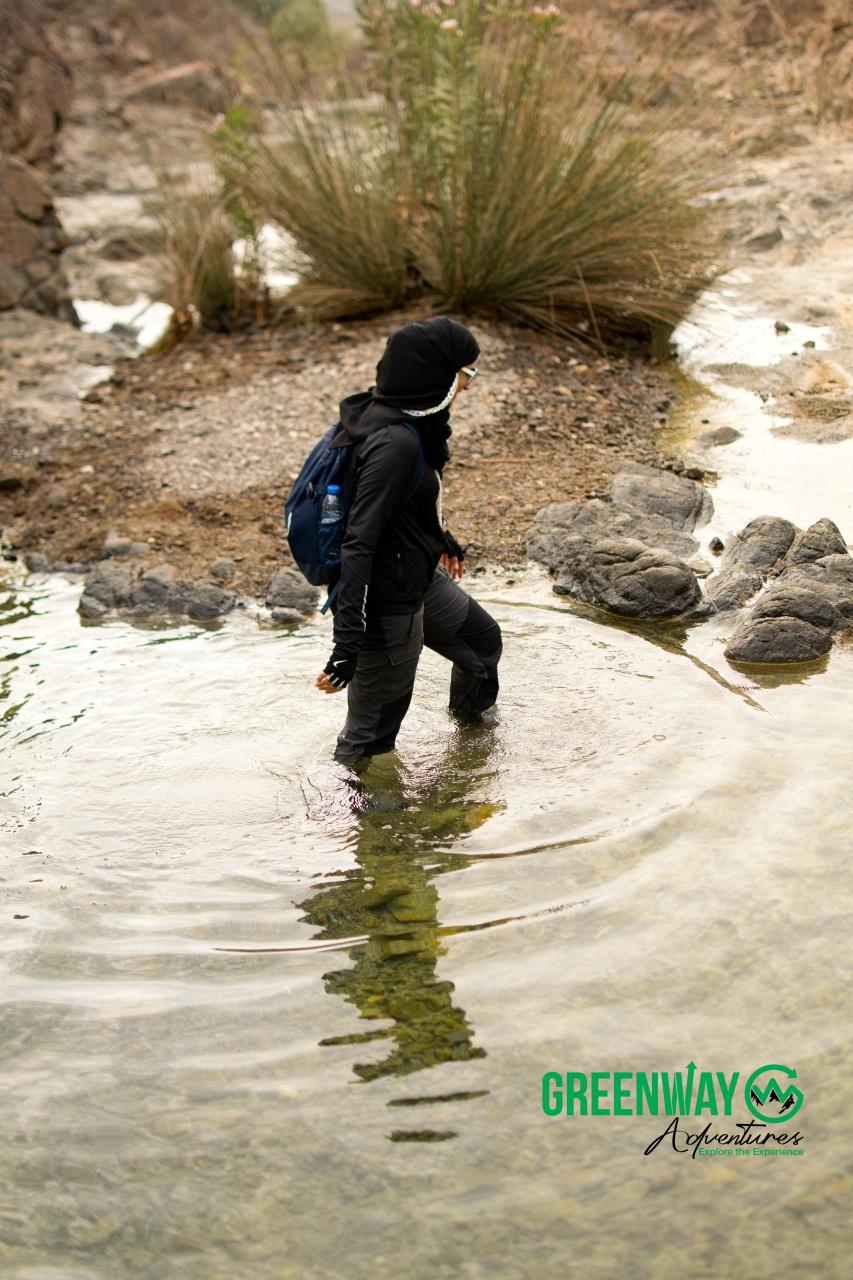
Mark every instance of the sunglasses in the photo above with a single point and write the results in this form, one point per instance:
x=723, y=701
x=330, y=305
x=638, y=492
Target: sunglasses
x=472, y=373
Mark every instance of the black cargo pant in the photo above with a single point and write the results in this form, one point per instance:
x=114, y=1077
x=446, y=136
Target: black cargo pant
x=378, y=697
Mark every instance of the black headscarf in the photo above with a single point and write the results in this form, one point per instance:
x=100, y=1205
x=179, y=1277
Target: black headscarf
x=416, y=371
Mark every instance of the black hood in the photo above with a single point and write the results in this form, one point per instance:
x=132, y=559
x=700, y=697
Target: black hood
x=416, y=371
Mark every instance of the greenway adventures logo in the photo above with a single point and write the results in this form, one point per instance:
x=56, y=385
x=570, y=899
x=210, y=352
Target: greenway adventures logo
x=769, y=1095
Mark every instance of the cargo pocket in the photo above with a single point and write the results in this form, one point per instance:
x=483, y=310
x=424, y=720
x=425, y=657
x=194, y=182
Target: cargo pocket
x=404, y=636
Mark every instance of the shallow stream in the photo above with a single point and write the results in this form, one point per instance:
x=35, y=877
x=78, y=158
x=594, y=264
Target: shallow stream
x=262, y=1020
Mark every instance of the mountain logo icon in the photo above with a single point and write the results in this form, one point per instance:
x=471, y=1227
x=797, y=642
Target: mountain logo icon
x=769, y=1095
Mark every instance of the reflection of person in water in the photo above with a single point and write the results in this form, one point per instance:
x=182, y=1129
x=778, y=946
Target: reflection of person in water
x=390, y=897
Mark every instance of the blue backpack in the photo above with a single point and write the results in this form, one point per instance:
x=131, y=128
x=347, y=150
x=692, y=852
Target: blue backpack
x=316, y=546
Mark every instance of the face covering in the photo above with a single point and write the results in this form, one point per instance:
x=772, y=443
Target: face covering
x=416, y=371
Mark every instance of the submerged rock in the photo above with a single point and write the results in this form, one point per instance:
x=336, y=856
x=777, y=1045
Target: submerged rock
x=719, y=436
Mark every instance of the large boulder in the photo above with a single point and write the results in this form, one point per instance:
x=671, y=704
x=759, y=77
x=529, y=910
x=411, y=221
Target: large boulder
x=648, y=491
x=625, y=552
x=599, y=518
x=797, y=616
x=289, y=591
x=749, y=558
x=823, y=538
x=778, y=640
x=762, y=545
x=626, y=577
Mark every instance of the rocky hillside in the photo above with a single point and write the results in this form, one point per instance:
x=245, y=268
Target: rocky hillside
x=69, y=70
x=35, y=98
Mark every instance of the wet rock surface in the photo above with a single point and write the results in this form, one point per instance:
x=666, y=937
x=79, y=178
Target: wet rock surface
x=626, y=577
x=800, y=581
x=290, y=596
x=625, y=552
x=808, y=599
x=122, y=584
x=761, y=545
x=119, y=588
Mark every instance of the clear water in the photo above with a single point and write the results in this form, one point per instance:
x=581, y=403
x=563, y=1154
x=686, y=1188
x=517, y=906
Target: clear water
x=259, y=1022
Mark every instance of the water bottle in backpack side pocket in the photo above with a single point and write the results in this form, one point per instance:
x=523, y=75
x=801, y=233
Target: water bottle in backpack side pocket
x=330, y=510
x=331, y=527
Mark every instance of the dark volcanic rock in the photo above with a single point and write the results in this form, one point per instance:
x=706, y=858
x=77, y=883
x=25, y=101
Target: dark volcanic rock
x=830, y=577
x=762, y=545
x=820, y=539
x=153, y=590
x=110, y=585
x=626, y=553
x=796, y=618
x=117, y=587
x=732, y=587
x=289, y=590
x=648, y=491
x=601, y=519
x=627, y=577
x=778, y=640
x=790, y=600
x=206, y=600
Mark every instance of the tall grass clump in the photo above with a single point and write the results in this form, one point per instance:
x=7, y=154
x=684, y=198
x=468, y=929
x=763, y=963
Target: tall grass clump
x=197, y=219
x=488, y=175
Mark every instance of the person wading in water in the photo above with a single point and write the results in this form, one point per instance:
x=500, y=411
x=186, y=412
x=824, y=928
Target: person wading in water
x=400, y=565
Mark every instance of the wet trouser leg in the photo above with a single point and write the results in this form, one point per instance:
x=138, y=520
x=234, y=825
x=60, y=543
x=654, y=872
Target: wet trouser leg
x=463, y=632
x=379, y=694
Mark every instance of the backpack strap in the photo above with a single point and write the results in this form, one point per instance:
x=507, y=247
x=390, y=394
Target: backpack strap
x=330, y=597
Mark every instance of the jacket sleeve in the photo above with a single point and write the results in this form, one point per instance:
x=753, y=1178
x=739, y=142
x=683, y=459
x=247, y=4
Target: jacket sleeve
x=383, y=471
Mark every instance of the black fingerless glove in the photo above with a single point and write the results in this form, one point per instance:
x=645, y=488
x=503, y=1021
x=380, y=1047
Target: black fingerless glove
x=454, y=550
x=340, y=668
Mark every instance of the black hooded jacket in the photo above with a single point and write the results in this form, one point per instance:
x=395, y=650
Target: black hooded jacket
x=391, y=547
